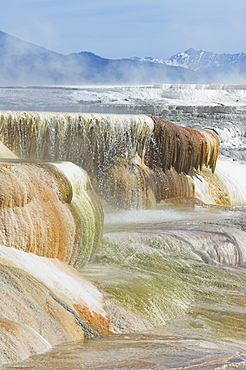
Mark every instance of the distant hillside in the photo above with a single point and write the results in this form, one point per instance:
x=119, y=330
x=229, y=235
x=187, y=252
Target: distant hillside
x=23, y=63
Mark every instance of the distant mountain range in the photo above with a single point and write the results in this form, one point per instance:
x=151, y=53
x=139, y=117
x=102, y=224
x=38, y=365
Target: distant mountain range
x=23, y=63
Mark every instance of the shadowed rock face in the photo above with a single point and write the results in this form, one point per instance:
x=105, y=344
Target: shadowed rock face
x=42, y=213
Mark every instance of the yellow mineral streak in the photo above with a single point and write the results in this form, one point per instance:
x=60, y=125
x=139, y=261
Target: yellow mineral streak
x=86, y=210
x=212, y=148
x=217, y=191
x=232, y=175
x=42, y=212
x=73, y=136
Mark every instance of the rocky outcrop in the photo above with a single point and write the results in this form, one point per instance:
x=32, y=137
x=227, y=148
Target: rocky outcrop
x=44, y=212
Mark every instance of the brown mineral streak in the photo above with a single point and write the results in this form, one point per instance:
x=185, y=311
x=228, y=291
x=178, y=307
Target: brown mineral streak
x=170, y=154
x=94, y=319
x=181, y=147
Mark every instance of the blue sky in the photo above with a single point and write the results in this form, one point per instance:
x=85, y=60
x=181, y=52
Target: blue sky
x=126, y=28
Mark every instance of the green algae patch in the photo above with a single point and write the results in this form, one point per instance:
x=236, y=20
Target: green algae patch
x=141, y=277
x=165, y=284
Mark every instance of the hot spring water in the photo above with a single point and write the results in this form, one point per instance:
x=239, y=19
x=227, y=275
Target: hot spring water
x=163, y=285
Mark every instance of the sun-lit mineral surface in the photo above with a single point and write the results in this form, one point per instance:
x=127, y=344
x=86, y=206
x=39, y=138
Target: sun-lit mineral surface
x=44, y=212
x=50, y=218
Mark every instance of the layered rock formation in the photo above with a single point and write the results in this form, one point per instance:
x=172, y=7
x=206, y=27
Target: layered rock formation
x=133, y=161
x=51, y=219
x=47, y=210
x=43, y=211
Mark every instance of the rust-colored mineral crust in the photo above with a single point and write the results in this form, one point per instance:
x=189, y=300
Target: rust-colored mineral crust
x=41, y=213
x=182, y=148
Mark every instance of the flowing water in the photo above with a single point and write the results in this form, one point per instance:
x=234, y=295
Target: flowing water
x=173, y=276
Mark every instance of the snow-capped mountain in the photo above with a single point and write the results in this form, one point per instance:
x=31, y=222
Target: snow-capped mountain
x=150, y=60
x=206, y=60
x=24, y=63
x=201, y=60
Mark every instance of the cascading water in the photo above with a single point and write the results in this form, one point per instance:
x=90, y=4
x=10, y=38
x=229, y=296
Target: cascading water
x=130, y=159
x=169, y=270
